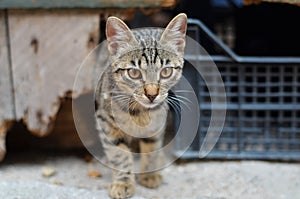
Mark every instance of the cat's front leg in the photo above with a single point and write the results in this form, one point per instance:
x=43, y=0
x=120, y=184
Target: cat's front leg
x=121, y=161
x=151, y=159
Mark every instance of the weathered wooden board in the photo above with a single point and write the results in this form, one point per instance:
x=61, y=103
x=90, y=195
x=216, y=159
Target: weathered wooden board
x=47, y=48
x=13, y=4
x=6, y=97
x=63, y=136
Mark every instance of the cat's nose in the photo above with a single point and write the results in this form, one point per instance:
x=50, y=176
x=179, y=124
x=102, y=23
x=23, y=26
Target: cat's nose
x=151, y=97
x=151, y=91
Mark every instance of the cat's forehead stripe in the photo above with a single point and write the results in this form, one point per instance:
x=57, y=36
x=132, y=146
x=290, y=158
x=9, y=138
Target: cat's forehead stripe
x=151, y=57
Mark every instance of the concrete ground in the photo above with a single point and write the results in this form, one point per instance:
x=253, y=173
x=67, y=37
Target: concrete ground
x=74, y=176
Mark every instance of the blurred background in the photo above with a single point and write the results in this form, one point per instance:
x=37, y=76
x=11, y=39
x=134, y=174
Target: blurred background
x=254, y=44
x=249, y=28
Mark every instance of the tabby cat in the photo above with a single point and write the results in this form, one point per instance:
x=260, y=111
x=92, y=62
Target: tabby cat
x=131, y=98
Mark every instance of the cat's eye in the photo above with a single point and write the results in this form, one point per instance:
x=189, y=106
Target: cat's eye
x=166, y=72
x=134, y=73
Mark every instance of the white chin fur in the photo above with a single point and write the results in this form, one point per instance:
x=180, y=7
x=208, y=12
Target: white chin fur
x=147, y=104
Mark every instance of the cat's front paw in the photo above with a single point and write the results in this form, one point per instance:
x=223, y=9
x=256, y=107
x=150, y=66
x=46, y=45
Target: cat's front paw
x=120, y=190
x=150, y=180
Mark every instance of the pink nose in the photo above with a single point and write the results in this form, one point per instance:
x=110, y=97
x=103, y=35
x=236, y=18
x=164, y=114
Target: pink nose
x=151, y=91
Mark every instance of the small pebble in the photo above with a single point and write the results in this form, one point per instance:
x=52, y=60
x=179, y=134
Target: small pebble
x=88, y=158
x=94, y=174
x=57, y=182
x=48, y=172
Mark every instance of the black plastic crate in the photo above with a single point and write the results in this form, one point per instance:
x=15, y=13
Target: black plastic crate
x=263, y=105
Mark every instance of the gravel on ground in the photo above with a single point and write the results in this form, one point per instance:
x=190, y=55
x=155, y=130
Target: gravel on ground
x=73, y=176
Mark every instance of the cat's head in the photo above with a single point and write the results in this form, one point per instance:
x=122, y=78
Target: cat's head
x=146, y=63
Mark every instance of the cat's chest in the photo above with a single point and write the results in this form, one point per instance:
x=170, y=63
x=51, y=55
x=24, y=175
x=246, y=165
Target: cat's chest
x=142, y=124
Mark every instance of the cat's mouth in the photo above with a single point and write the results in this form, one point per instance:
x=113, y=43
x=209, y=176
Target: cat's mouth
x=150, y=101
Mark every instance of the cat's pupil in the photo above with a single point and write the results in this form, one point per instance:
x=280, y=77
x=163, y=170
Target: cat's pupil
x=134, y=71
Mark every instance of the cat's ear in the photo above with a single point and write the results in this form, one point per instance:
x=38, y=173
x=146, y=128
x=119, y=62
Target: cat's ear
x=118, y=35
x=174, y=34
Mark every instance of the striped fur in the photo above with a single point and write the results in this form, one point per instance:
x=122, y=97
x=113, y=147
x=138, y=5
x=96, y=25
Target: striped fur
x=131, y=98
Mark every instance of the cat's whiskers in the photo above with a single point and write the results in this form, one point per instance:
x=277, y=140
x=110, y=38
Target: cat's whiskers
x=182, y=91
x=181, y=100
x=126, y=102
x=122, y=100
x=133, y=105
x=184, y=98
x=174, y=104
